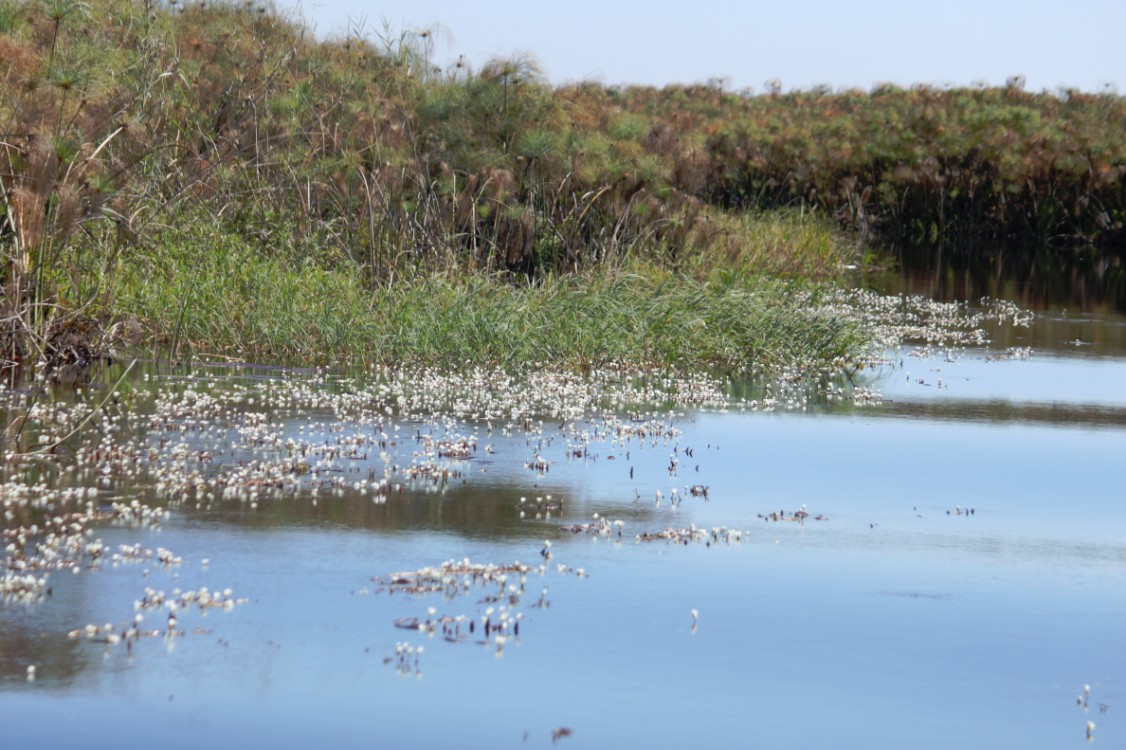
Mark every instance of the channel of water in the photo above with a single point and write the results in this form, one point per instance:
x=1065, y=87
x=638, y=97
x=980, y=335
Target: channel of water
x=945, y=568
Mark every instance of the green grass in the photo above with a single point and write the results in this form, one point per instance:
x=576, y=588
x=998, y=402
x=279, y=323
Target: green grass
x=216, y=293
x=218, y=173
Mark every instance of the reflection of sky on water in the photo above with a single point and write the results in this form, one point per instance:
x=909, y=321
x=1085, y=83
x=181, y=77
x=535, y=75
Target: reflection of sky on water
x=799, y=645
x=891, y=623
x=1040, y=379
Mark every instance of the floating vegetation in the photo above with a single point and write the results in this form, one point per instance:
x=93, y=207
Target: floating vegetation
x=862, y=396
x=543, y=504
x=892, y=320
x=1083, y=700
x=197, y=443
x=172, y=607
x=457, y=448
x=136, y=553
x=798, y=516
x=599, y=527
x=26, y=588
x=1013, y=352
x=496, y=621
x=376, y=434
x=501, y=587
x=692, y=533
x=202, y=599
x=538, y=464
x=407, y=659
x=60, y=541
x=453, y=578
x=112, y=635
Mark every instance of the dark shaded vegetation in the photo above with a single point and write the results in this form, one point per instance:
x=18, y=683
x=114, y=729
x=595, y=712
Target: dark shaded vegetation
x=928, y=165
x=1037, y=276
x=130, y=128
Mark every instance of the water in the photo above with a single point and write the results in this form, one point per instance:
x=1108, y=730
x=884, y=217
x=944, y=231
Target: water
x=900, y=619
x=1044, y=277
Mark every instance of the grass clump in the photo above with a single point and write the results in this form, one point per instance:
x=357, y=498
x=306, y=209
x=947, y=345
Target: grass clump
x=238, y=299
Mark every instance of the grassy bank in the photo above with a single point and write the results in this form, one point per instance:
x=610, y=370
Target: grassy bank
x=216, y=140
x=240, y=300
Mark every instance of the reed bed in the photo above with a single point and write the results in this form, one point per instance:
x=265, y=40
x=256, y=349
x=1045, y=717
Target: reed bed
x=236, y=300
x=355, y=167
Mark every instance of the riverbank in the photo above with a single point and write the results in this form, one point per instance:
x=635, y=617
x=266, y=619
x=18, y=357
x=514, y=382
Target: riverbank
x=221, y=180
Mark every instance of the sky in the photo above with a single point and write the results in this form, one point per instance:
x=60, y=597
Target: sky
x=838, y=43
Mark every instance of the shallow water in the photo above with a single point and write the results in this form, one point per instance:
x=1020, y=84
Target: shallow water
x=897, y=620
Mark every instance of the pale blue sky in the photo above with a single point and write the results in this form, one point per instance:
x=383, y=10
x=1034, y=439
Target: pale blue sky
x=836, y=42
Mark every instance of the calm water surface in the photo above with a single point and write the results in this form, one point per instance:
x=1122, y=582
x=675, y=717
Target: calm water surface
x=896, y=621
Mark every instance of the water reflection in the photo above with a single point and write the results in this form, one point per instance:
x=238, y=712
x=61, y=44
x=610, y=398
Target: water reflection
x=1083, y=279
x=36, y=634
x=486, y=512
x=895, y=620
x=1007, y=412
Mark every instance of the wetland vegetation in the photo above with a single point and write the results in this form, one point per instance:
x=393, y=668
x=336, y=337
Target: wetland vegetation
x=211, y=177
x=578, y=375
x=215, y=543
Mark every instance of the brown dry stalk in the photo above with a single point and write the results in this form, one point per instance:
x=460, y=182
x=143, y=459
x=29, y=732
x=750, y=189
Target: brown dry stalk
x=68, y=210
x=27, y=217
